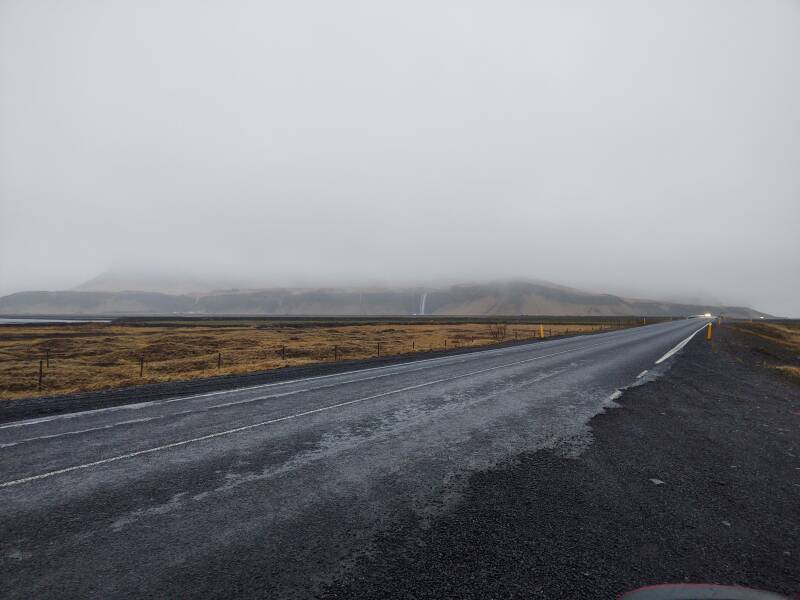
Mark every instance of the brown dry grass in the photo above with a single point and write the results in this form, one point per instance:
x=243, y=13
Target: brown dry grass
x=783, y=334
x=95, y=356
x=789, y=334
x=791, y=371
x=786, y=335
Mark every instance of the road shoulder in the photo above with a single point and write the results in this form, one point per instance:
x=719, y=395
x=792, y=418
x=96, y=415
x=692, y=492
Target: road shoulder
x=696, y=477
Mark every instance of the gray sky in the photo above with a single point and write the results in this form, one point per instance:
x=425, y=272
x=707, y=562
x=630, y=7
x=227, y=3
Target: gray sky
x=648, y=148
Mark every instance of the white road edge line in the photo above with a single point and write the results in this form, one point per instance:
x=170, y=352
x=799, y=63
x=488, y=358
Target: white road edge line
x=76, y=432
x=679, y=346
x=235, y=403
x=272, y=421
x=228, y=404
x=139, y=405
x=642, y=374
x=470, y=355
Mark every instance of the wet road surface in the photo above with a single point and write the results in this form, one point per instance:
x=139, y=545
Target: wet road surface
x=288, y=482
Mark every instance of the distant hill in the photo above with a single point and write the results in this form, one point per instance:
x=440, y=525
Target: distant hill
x=496, y=298
x=121, y=280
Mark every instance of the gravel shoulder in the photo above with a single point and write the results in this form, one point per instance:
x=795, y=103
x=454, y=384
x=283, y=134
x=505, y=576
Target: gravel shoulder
x=695, y=477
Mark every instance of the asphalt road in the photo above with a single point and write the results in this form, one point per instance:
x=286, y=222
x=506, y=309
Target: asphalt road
x=276, y=490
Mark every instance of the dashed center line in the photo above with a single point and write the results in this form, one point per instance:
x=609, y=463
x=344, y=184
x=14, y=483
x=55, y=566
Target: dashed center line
x=231, y=403
x=227, y=432
x=399, y=369
x=297, y=415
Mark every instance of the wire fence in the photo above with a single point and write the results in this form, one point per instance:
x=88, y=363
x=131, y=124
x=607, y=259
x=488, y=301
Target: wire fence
x=44, y=363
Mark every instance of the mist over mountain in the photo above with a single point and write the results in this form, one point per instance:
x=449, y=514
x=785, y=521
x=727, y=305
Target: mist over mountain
x=647, y=152
x=145, y=281
x=115, y=294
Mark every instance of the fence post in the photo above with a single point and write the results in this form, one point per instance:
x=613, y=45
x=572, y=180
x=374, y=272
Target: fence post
x=379, y=348
x=283, y=352
x=335, y=353
x=412, y=345
x=141, y=365
x=219, y=360
x=47, y=357
x=40, y=374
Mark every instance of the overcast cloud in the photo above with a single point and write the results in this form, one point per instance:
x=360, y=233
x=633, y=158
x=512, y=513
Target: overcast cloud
x=648, y=148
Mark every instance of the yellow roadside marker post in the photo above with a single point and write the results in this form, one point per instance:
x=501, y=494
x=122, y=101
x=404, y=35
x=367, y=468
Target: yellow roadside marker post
x=541, y=331
x=709, y=331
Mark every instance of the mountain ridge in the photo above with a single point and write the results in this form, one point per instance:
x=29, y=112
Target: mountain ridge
x=509, y=297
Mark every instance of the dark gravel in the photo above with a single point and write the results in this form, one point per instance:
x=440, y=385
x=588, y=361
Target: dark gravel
x=720, y=431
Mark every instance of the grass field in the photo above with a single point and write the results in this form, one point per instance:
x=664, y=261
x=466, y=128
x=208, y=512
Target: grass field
x=93, y=356
x=785, y=334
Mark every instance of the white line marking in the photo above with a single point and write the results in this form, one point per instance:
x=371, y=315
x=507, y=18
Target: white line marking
x=642, y=374
x=77, y=431
x=470, y=356
x=140, y=405
x=266, y=385
x=272, y=421
x=240, y=402
x=679, y=347
x=229, y=404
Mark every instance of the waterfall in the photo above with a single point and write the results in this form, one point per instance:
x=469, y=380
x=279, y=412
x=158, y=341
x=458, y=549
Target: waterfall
x=422, y=303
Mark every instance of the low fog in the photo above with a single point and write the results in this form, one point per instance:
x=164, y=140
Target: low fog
x=644, y=148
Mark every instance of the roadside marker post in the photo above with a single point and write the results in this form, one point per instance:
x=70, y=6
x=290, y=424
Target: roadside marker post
x=41, y=363
x=709, y=332
x=141, y=365
x=541, y=331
